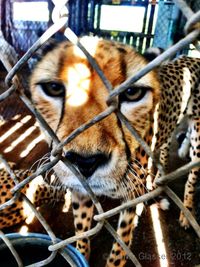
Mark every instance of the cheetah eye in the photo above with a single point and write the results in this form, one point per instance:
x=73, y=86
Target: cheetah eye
x=133, y=94
x=54, y=89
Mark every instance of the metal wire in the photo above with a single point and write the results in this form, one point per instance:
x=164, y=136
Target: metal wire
x=11, y=248
x=101, y=218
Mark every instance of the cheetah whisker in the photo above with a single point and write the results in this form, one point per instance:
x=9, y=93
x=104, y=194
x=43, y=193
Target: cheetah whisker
x=123, y=191
x=147, y=172
x=137, y=190
x=136, y=176
x=40, y=161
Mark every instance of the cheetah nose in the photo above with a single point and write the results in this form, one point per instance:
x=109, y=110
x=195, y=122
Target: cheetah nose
x=87, y=164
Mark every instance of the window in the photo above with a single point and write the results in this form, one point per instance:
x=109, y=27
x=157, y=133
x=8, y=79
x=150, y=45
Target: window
x=122, y=18
x=31, y=11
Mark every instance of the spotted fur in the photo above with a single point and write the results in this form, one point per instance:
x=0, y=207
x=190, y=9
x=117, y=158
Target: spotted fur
x=68, y=93
x=37, y=191
x=180, y=95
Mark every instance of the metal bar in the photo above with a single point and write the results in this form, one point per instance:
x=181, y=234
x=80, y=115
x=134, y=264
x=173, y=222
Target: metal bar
x=186, y=212
x=129, y=253
x=39, y=171
x=70, y=240
x=11, y=248
x=82, y=128
x=192, y=21
x=57, y=247
x=52, y=30
x=44, y=262
x=44, y=125
x=177, y=173
x=141, y=141
x=10, y=202
x=74, y=39
x=48, y=230
x=7, y=93
x=186, y=10
x=9, y=170
x=129, y=204
x=155, y=63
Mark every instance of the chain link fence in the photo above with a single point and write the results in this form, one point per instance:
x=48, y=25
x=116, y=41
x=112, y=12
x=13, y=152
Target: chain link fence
x=15, y=83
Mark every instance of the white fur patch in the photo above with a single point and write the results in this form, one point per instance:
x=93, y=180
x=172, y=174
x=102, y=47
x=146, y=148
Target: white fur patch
x=164, y=204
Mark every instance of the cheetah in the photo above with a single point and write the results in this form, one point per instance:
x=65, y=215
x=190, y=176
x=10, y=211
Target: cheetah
x=180, y=96
x=68, y=92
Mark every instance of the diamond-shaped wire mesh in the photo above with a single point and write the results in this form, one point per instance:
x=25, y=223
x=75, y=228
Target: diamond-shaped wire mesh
x=13, y=81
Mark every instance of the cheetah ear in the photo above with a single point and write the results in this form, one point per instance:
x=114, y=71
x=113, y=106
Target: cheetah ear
x=46, y=47
x=152, y=52
x=42, y=51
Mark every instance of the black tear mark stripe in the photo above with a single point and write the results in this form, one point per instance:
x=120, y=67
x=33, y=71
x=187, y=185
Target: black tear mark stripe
x=123, y=63
x=60, y=120
x=127, y=149
x=61, y=66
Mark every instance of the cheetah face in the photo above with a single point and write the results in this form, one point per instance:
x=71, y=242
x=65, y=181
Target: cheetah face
x=68, y=93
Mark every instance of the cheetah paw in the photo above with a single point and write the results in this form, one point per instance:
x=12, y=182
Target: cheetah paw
x=184, y=221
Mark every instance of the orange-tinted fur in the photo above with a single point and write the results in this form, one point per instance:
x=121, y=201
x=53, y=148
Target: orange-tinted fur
x=85, y=97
